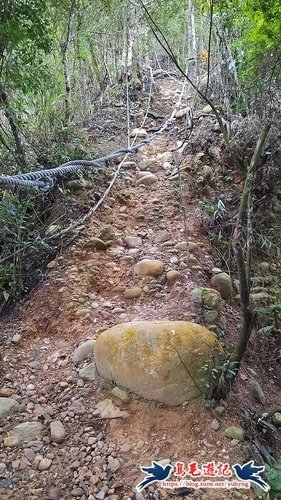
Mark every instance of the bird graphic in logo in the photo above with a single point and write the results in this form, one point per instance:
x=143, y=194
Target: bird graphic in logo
x=249, y=472
x=156, y=472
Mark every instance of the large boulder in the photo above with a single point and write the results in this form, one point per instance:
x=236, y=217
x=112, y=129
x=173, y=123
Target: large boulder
x=161, y=361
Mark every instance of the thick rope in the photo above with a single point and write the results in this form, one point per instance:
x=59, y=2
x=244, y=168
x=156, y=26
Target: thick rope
x=43, y=179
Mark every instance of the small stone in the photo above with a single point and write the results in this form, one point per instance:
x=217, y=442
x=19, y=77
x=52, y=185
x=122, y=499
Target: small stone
x=11, y=441
x=6, y=392
x=132, y=241
x=96, y=244
x=147, y=180
x=2, y=467
x=44, y=464
x=276, y=419
x=83, y=311
x=7, y=406
x=16, y=338
x=207, y=109
x=215, y=425
x=121, y=394
x=83, y=350
x=181, y=245
x=100, y=495
x=77, y=492
x=88, y=372
x=51, y=264
x=138, y=132
x=173, y=276
x=57, y=431
x=219, y=410
x=147, y=267
x=106, y=233
x=133, y=293
x=125, y=448
x=234, y=433
x=113, y=464
x=258, y=391
x=192, y=246
x=222, y=283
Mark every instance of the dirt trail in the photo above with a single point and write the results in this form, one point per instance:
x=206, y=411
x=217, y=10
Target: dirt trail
x=83, y=295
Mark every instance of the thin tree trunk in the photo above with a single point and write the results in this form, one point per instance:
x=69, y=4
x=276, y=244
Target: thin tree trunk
x=244, y=271
x=19, y=149
x=64, y=50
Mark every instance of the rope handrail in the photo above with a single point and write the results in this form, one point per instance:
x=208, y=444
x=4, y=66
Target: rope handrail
x=43, y=179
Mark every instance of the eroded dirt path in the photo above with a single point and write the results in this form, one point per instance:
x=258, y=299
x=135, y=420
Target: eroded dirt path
x=83, y=295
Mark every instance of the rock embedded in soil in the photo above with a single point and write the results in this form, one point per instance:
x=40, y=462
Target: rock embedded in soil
x=88, y=372
x=27, y=431
x=57, y=431
x=133, y=293
x=44, y=464
x=7, y=406
x=96, y=244
x=234, y=433
x=149, y=267
x=173, y=276
x=150, y=358
x=222, y=283
x=83, y=350
x=147, y=180
x=121, y=394
x=138, y=132
x=106, y=233
x=132, y=241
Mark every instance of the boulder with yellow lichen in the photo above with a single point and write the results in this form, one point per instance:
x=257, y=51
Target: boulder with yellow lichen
x=161, y=361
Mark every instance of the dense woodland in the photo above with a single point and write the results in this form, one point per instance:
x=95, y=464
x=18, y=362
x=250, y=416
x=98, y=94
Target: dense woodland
x=64, y=63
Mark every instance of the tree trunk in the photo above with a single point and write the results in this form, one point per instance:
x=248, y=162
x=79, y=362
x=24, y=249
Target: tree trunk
x=226, y=381
x=19, y=149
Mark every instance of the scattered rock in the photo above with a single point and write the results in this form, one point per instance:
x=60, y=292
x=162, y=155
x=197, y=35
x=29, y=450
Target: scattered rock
x=113, y=464
x=27, y=431
x=44, y=464
x=88, y=372
x=133, y=293
x=7, y=406
x=258, y=391
x=210, y=298
x=83, y=351
x=207, y=109
x=132, y=241
x=106, y=233
x=215, y=424
x=107, y=409
x=222, y=283
x=147, y=180
x=138, y=132
x=173, y=276
x=150, y=358
x=16, y=338
x=234, y=433
x=11, y=441
x=147, y=267
x=181, y=245
x=276, y=419
x=77, y=492
x=82, y=311
x=57, y=431
x=96, y=244
x=121, y=394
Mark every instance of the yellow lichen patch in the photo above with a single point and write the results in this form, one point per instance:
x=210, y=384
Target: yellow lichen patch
x=159, y=360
